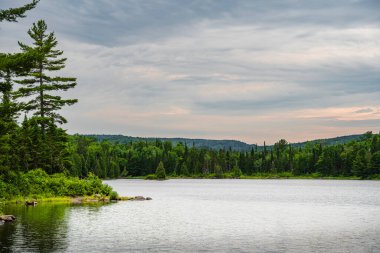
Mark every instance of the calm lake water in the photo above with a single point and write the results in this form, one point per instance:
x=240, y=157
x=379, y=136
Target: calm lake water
x=208, y=216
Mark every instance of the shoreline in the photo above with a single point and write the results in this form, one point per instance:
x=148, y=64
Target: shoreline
x=78, y=200
x=69, y=200
x=257, y=177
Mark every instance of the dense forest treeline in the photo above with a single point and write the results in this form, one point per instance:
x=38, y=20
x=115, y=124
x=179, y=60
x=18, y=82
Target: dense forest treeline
x=359, y=158
x=218, y=144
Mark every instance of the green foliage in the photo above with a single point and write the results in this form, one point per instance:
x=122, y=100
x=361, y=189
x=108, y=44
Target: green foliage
x=218, y=171
x=184, y=170
x=160, y=171
x=236, y=172
x=107, y=159
x=12, y=14
x=151, y=177
x=114, y=195
x=38, y=142
x=375, y=164
x=32, y=152
x=360, y=164
x=39, y=183
x=39, y=87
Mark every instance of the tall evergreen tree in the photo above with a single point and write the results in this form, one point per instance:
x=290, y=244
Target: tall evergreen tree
x=42, y=144
x=11, y=66
x=160, y=171
x=40, y=87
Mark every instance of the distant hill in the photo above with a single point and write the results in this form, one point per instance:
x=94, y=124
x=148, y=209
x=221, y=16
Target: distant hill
x=199, y=143
x=217, y=144
x=331, y=141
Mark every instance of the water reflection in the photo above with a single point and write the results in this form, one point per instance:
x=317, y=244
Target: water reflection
x=42, y=228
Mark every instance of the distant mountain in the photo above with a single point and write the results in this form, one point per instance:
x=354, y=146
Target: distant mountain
x=217, y=144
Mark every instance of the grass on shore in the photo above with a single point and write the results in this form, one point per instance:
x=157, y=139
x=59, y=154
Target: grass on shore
x=79, y=199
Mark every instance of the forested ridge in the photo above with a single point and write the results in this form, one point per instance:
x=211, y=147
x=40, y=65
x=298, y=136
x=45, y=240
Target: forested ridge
x=218, y=144
x=359, y=158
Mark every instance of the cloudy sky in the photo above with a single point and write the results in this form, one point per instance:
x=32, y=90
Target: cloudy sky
x=250, y=70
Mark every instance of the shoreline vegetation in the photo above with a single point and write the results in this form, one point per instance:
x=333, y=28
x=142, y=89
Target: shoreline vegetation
x=36, y=186
x=256, y=176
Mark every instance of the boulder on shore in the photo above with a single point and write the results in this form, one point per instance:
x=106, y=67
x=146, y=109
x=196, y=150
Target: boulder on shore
x=7, y=218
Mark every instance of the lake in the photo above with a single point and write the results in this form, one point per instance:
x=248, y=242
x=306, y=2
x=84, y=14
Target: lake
x=207, y=216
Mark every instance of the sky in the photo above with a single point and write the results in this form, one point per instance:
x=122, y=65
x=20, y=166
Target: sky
x=249, y=70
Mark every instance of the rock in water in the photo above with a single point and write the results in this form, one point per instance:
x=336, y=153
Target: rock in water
x=7, y=218
x=30, y=203
x=139, y=198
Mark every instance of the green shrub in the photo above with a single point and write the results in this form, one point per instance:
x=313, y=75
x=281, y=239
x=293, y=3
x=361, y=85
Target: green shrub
x=236, y=172
x=151, y=177
x=114, y=196
x=160, y=171
x=38, y=183
x=218, y=171
x=285, y=175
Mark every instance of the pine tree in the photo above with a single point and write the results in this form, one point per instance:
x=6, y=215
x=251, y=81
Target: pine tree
x=11, y=66
x=218, y=171
x=39, y=86
x=375, y=164
x=184, y=170
x=160, y=171
x=236, y=172
x=360, y=164
x=12, y=14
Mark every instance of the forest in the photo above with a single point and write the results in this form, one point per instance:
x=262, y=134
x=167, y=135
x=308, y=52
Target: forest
x=357, y=158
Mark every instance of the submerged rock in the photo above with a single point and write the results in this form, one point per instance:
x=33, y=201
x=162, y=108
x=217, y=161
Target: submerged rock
x=7, y=218
x=140, y=198
x=30, y=203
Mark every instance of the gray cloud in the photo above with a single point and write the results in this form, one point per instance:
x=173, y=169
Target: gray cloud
x=365, y=110
x=184, y=68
